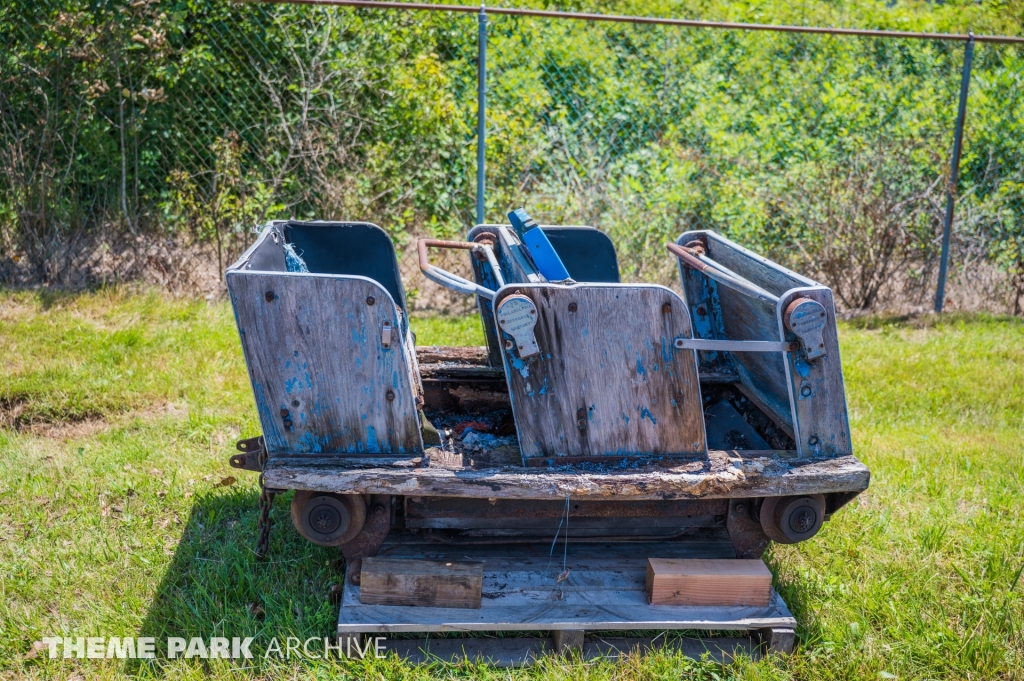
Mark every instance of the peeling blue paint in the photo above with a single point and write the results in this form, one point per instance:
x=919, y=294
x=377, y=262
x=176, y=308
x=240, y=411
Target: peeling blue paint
x=371, y=440
x=625, y=418
x=640, y=368
x=645, y=413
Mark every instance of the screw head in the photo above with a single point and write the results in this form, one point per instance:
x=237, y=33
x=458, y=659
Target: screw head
x=740, y=508
x=295, y=403
x=287, y=423
x=805, y=391
x=582, y=424
x=284, y=412
x=508, y=345
x=390, y=395
x=370, y=300
x=813, y=441
x=573, y=307
x=666, y=308
x=269, y=295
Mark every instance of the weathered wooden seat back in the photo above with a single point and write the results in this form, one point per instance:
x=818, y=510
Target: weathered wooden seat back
x=596, y=377
x=320, y=313
x=734, y=294
x=605, y=380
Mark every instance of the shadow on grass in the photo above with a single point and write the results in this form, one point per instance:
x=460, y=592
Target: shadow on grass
x=215, y=586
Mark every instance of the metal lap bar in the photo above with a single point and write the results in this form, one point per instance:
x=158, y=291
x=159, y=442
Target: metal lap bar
x=734, y=345
x=694, y=257
x=454, y=281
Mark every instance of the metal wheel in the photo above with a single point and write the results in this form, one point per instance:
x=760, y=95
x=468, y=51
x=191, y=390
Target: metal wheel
x=328, y=519
x=788, y=520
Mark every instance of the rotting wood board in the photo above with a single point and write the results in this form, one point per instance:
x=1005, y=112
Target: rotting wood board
x=730, y=474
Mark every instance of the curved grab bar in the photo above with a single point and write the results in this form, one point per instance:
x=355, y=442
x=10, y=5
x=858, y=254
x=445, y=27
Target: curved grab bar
x=695, y=258
x=453, y=281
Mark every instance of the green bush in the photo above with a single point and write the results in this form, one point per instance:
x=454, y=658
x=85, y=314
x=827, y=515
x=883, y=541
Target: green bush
x=202, y=119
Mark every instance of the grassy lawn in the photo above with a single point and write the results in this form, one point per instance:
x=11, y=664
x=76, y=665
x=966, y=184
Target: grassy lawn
x=119, y=515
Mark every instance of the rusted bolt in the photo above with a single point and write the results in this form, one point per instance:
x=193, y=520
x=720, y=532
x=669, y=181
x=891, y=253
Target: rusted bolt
x=284, y=413
x=508, y=344
x=814, y=441
x=379, y=510
x=666, y=308
x=390, y=395
x=370, y=300
x=582, y=424
x=740, y=508
x=805, y=391
x=287, y=423
x=269, y=295
x=573, y=307
x=701, y=311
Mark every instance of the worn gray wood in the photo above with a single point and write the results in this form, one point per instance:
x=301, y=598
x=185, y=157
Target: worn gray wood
x=778, y=640
x=602, y=591
x=607, y=364
x=314, y=348
x=723, y=475
x=822, y=425
x=567, y=640
x=475, y=355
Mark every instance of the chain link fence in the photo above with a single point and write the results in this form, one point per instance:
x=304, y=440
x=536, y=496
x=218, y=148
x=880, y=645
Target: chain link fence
x=149, y=138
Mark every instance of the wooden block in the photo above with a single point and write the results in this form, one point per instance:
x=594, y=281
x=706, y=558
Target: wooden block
x=708, y=581
x=386, y=581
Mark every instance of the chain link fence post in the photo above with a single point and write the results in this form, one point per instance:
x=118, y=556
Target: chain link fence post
x=481, y=115
x=954, y=174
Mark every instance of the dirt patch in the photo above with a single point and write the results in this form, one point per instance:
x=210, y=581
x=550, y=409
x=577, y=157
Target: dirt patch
x=66, y=431
x=14, y=416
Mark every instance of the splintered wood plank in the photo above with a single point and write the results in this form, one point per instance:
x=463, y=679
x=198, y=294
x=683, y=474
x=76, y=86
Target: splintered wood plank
x=442, y=584
x=723, y=475
x=703, y=581
x=607, y=380
x=323, y=380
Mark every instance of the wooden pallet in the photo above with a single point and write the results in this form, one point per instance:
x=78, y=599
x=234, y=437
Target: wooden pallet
x=602, y=596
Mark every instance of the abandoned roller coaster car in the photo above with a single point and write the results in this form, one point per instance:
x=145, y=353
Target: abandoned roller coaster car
x=648, y=423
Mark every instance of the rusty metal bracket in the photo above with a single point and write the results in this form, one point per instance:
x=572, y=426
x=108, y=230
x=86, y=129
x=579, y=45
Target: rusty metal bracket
x=252, y=454
x=693, y=257
x=368, y=541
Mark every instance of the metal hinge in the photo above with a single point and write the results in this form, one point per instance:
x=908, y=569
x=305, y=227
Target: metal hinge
x=385, y=334
x=251, y=457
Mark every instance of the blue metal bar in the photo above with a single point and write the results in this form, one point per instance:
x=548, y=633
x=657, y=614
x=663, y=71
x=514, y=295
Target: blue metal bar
x=954, y=174
x=481, y=114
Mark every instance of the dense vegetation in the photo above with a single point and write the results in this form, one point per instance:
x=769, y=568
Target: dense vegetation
x=199, y=119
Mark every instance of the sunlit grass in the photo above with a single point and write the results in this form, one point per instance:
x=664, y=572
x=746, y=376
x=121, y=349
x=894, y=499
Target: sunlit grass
x=120, y=412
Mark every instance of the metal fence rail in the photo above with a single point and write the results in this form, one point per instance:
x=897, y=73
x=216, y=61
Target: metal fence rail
x=826, y=148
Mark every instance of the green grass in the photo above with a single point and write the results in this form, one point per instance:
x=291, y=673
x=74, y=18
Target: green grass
x=120, y=411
